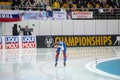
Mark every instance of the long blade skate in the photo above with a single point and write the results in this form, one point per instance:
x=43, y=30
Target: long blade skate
x=64, y=63
x=55, y=64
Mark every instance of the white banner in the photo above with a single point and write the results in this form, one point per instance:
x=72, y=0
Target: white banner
x=58, y=15
x=79, y=14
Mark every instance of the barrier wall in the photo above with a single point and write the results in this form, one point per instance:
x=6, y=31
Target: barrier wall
x=67, y=27
x=47, y=41
x=78, y=40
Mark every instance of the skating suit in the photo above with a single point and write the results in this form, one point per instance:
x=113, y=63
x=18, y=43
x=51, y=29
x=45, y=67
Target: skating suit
x=62, y=46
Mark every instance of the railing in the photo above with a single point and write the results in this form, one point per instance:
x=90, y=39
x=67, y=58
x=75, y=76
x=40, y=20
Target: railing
x=100, y=13
x=106, y=13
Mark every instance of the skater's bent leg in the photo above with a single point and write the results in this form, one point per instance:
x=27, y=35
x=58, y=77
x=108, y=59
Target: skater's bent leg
x=56, y=58
x=57, y=55
x=64, y=55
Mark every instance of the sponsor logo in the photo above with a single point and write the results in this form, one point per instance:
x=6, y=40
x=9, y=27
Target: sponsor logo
x=49, y=42
x=6, y=16
x=117, y=40
x=28, y=42
x=11, y=42
x=86, y=40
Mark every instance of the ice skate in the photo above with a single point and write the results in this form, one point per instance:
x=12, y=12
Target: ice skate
x=55, y=64
x=64, y=63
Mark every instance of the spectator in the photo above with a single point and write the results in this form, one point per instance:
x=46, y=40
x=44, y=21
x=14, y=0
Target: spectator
x=65, y=5
x=26, y=32
x=44, y=6
x=21, y=30
x=113, y=3
x=82, y=8
x=98, y=5
x=74, y=7
x=89, y=5
x=93, y=2
x=39, y=5
x=56, y=5
x=118, y=3
x=62, y=9
x=49, y=12
x=111, y=10
x=61, y=3
x=22, y=6
x=15, y=4
x=79, y=4
x=70, y=5
x=33, y=4
x=28, y=5
x=64, y=1
x=14, y=30
x=103, y=3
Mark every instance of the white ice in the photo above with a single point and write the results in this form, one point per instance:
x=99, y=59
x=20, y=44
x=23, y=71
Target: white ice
x=38, y=64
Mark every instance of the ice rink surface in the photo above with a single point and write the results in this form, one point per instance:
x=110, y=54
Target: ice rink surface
x=38, y=64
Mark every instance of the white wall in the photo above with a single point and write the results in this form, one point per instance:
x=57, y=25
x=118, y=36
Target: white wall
x=113, y=27
x=101, y=27
x=90, y=27
x=79, y=27
x=67, y=27
x=56, y=27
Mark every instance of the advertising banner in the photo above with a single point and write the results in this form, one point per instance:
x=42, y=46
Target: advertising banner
x=9, y=17
x=79, y=14
x=11, y=42
x=32, y=15
x=37, y=15
x=1, y=46
x=17, y=42
x=58, y=15
x=28, y=41
x=79, y=40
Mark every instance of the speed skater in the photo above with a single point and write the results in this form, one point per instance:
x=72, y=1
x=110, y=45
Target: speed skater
x=60, y=46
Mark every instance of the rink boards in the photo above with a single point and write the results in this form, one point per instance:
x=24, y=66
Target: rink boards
x=78, y=40
x=47, y=41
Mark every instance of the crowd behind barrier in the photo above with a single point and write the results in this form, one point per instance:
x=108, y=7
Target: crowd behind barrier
x=102, y=9
x=65, y=3
x=101, y=13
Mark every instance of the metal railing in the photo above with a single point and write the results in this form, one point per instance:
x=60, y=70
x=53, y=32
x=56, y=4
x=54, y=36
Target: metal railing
x=100, y=13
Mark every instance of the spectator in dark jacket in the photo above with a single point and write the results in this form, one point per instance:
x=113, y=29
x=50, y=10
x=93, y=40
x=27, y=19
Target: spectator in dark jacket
x=14, y=30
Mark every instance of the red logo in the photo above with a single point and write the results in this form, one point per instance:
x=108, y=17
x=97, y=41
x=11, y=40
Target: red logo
x=11, y=42
x=28, y=42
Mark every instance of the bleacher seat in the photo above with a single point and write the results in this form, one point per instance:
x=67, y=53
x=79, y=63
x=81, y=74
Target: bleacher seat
x=5, y=5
